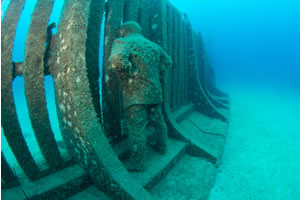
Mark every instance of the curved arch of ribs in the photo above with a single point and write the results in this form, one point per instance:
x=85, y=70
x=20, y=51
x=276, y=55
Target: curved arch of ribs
x=196, y=112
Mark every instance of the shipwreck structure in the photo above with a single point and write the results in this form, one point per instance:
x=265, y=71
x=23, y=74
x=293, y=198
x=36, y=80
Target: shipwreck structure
x=93, y=128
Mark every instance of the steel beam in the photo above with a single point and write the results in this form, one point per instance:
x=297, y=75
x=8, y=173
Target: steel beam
x=8, y=176
x=170, y=31
x=176, y=59
x=34, y=83
x=81, y=129
x=180, y=94
x=9, y=120
x=92, y=51
x=144, y=17
x=112, y=96
x=131, y=10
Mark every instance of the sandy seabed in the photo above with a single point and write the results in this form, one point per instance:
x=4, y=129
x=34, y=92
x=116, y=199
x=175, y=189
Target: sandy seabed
x=261, y=158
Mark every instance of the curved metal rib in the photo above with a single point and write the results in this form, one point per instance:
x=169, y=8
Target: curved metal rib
x=34, y=83
x=8, y=176
x=81, y=128
x=9, y=120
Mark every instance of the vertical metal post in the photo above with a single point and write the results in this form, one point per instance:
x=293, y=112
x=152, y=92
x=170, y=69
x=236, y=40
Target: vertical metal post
x=112, y=96
x=181, y=62
x=131, y=10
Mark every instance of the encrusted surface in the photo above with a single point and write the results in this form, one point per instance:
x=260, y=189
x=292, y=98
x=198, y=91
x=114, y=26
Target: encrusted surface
x=191, y=179
x=131, y=10
x=112, y=98
x=207, y=133
x=157, y=165
x=34, y=83
x=53, y=187
x=92, y=50
x=81, y=128
x=9, y=120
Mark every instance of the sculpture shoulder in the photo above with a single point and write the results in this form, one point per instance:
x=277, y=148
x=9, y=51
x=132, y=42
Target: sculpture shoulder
x=120, y=46
x=120, y=41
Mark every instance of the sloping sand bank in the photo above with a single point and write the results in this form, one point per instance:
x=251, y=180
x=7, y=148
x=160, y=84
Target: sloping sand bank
x=261, y=160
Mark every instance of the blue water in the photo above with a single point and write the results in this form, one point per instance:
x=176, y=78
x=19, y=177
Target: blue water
x=254, y=47
x=246, y=41
x=251, y=40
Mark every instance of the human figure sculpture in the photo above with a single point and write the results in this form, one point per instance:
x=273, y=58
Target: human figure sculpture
x=139, y=64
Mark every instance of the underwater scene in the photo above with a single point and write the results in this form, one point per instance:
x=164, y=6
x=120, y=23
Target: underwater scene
x=150, y=99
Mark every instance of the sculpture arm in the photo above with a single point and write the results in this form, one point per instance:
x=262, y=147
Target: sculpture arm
x=119, y=56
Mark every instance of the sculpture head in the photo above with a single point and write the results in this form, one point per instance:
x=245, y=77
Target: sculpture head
x=130, y=28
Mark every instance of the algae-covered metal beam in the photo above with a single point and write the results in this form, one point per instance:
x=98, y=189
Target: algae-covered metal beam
x=170, y=31
x=203, y=74
x=9, y=120
x=170, y=28
x=112, y=96
x=211, y=84
x=92, y=51
x=8, y=176
x=180, y=94
x=158, y=16
x=186, y=65
x=131, y=10
x=34, y=83
x=175, y=68
x=191, y=59
x=160, y=36
x=81, y=129
x=202, y=101
x=144, y=17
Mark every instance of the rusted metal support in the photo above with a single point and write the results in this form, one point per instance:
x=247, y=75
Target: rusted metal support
x=81, y=129
x=131, y=10
x=9, y=120
x=158, y=23
x=176, y=65
x=170, y=28
x=92, y=51
x=203, y=74
x=159, y=7
x=144, y=17
x=220, y=97
x=9, y=178
x=112, y=96
x=191, y=62
x=170, y=31
x=186, y=63
x=181, y=74
x=211, y=84
x=202, y=101
x=34, y=83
